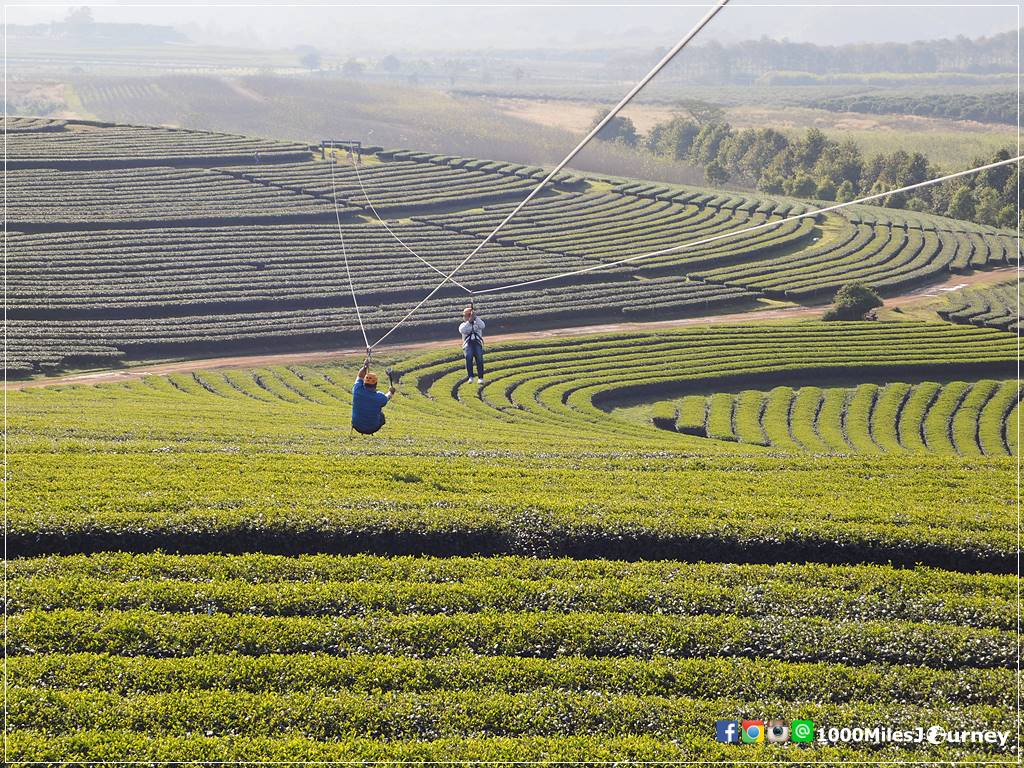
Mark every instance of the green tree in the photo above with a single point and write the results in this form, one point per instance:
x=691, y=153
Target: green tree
x=899, y=200
x=995, y=177
x=772, y=183
x=846, y=192
x=80, y=16
x=852, y=302
x=810, y=148
x=673, y=138
x=1007, y=216
x=715, y=173
x=619, y=129
x=1010, y=187
x=842, y=162
x=961, y=206
x=801, y=185
x=986, y=211
x=707, y=141
x=768, y=144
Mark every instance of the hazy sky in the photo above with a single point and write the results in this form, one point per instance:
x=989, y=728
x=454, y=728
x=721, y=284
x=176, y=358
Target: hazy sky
x=375, y=27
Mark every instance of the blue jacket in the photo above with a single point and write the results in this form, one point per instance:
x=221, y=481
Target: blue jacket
x=366, y=406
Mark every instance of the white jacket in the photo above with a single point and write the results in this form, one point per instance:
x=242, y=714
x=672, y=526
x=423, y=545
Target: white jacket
x=472, y=331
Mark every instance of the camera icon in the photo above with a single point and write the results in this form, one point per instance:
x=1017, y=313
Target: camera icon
x=776, y=731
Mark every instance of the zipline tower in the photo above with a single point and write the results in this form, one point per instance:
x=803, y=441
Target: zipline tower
x=353, y=149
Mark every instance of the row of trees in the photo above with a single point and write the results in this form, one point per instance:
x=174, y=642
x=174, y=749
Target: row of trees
x=984, y=108
x=818, y=167
x=746, y=61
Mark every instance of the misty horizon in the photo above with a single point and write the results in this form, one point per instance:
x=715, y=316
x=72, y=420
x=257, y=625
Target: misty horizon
x=424, y=28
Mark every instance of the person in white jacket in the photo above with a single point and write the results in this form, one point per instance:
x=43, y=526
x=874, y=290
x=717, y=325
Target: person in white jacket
x=472, y=330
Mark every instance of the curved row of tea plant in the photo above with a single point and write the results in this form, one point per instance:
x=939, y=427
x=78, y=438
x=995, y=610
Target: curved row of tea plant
x=84, y=144
x=611, y=226
x=31, y=124
x=323, y=316
x=392, y=186
x=958, y=417
x=263, y=265
x=880, y=255
x=500, y=167
x=996, y=306
x=127, y=196
x=706, y=198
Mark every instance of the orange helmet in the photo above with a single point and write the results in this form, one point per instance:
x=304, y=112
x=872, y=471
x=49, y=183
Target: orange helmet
x=370, y=379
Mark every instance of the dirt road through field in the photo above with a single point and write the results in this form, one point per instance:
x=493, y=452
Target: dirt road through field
x=915, y=298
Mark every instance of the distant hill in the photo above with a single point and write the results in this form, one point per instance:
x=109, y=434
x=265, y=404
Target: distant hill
x=100, y=33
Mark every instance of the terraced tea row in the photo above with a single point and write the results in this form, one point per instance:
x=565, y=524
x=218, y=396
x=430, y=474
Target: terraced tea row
x=99, y=663
x=28, y=354
x=31, y=124
x=501, y=167
x=239, y=321
x=609, y=226
x=569, y=379
x=712, y=199
x=996, y=306
x=399, y=185
x=126, y=198
x=883, y=256
x=363, y=586
x=886, y=250
x=958, y=417
x=572, y=382
x=87, y=144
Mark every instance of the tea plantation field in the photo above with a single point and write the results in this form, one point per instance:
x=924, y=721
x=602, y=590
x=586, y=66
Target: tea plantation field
x=206, y=567
x=995, y=306
x=129, y=243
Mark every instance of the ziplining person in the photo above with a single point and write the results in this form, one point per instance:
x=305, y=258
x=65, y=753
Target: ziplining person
x=367, y=403
x=472, y=330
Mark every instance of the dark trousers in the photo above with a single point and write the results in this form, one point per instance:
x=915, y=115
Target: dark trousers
x=475, y=351
x=372, y=431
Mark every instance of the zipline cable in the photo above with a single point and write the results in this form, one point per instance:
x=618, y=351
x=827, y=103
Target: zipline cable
x=344, y=253
x=366, y=197
x=754, y=228
x=579, y=147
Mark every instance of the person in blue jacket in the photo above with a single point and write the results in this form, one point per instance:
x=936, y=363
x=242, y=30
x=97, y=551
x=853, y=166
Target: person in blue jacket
x=367, y=403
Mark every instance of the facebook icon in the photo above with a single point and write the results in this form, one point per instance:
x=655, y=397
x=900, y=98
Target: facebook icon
x=727, y=731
